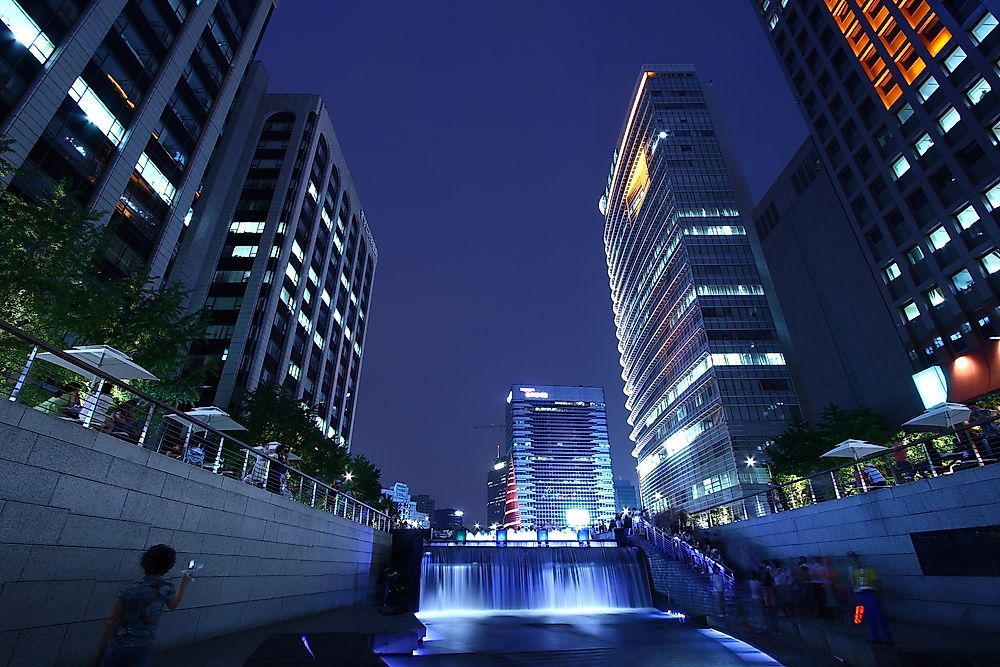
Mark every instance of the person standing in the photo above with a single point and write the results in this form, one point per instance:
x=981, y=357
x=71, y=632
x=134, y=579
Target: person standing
x=128, y=637
x=864, y=583
x=277, y=472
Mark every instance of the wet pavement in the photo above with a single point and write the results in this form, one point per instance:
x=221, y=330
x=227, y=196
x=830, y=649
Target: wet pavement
x=635, y=638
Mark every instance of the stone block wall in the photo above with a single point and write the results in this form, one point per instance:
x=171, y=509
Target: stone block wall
x=877, y=525
x=686, y=590
x=78, y=508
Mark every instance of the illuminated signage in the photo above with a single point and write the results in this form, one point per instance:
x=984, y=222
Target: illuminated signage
x=529, y=392
x=932, y=386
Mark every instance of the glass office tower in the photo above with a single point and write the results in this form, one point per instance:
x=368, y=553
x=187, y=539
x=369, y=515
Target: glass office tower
x=286, y=273
x=558, y=458
x=705, y=376
x=902, y=98
x=126, y=101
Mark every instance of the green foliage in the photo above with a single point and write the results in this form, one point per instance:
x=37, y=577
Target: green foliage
x=51, y=286
x=797, y=451
x=271, y=412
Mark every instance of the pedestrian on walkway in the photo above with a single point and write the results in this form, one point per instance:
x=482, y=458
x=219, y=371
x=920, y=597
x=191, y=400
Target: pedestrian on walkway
x=864, y=583
x=128, y=638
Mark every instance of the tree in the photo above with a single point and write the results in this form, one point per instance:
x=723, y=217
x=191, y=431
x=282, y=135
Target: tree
x=52, y=286
x=798, y=450
x=366, y=482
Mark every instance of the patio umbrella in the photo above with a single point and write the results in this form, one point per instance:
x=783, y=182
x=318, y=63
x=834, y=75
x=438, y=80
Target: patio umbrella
x=854, y=449
x=945, y=415
x=113, y=362
x=215, y=417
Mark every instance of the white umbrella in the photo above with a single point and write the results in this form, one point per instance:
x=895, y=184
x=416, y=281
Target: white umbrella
x=854, y=449
x=114, y=362
x=215, y=417
x=945, y=415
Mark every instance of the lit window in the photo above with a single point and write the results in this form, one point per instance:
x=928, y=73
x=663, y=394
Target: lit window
x=318, y=340
x=956, y=336
x=991, y=262
x=996, y=132
x=156, y=179
x=967, y=217
x=327, y=220
x=96, y=112
x=927, y=88
x=939, y=238
x=294, y=371
x=935, y=296
x=26, y=31
x=303, y=320
x=978, y=90
x=914, y=254
x=962, y=280
x=900, y=166
x=244, y=251
x=938, y=342
x=312, y=191
x=338, y=318
x=904, y=114
x=923, y=144
x=891, y=272
x=954, y=59
x=983, y=28
x=773, y=23
x=292, y=273
x=948, y=119
x=910, y=312
x=993, y=196
x=246, y=227
x=313, y=277
x=297, y=250
x=326, y=297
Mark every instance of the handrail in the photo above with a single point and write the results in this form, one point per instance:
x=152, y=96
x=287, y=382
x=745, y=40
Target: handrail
x=378, y=518
x=924, y=444
x=677, y=549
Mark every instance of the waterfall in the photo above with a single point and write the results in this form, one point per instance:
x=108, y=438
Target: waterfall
x=458, y=579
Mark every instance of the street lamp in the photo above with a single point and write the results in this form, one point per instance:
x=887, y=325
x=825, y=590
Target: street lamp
x=751, y=462
x=349, y=476
x=476, y=526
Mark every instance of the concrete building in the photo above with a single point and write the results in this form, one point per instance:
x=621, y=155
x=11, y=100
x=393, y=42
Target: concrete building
x=281, y=256
x=558, y=457
x=625, y=495
x=425, y=503
x=447, y=518
x=699, y=331
x=496, y=492
x=126, y=101
x=844, y=351
x=902, y=101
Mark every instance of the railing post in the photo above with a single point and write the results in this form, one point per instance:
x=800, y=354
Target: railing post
x=930, y=461
x=23, y=377
x=98, y=389
x=146, y=424
x=836, y=489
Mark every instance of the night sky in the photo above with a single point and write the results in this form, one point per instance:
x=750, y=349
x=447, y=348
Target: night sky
x=479, y=135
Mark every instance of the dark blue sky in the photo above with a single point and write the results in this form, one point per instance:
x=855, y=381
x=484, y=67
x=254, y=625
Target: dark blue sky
x=479, y=135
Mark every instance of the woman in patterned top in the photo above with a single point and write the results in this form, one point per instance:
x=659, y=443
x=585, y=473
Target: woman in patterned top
x=128, y=638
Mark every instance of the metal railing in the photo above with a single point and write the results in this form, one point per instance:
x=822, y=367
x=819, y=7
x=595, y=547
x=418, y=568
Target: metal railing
x=972, y=445
x=674, y=548
x=113, y=406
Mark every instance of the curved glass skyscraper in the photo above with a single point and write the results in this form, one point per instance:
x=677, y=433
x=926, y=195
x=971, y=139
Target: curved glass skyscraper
x=705, y=377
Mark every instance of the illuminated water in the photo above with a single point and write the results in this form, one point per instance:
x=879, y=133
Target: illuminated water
x=550, y=579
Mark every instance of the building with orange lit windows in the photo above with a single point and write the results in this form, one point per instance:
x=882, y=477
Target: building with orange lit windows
x=705, y=376
x=902, y=98
x=124, y=100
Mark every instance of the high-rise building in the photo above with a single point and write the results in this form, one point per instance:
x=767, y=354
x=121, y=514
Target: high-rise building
x=902, y=101
x=126, y=101
x=705, y=376
x=496, y=492
x=625, y=495
x=844, y=351
x=285, y=260
x=425, y=504
x=558, y=457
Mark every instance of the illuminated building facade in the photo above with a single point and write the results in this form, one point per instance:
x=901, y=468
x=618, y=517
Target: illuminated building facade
x=125, y=100
x=496, y=492
x=558, y=456
x=705, y=377
x=286, y=273
x=901, y=98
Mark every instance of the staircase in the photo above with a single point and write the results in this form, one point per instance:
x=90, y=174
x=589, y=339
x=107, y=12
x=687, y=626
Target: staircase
x=686, y=590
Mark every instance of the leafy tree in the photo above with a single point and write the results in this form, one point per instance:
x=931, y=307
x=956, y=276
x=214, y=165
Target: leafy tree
x=51, y=285
x=798, y=450
x=366, y=483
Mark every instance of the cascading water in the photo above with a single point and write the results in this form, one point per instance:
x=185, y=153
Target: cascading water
x=463, y=579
